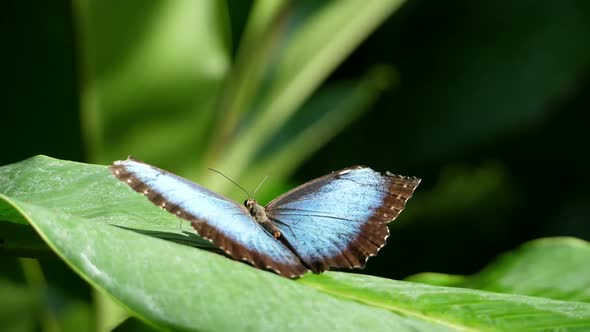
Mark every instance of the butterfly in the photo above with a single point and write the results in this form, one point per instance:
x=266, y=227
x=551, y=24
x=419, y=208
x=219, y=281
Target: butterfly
x=337, y=220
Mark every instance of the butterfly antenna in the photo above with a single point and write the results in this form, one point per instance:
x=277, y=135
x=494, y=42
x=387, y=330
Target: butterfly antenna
x=232, y=181
x=260, y=185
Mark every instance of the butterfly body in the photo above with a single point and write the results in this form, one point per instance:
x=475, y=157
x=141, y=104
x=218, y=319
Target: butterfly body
x=258, y=212
x=337, y=220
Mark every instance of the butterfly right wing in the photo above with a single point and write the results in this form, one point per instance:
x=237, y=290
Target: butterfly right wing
x=215, y=218
x=340, y=219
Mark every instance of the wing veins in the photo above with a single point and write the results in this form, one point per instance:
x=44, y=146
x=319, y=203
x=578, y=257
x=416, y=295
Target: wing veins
x=290, y=226
x=312, y=214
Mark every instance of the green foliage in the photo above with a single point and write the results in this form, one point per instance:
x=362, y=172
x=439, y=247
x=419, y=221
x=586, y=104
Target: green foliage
x=184, y=86
x=166, y=85
x=177, y=90
x=528, y=269
x=138, y=254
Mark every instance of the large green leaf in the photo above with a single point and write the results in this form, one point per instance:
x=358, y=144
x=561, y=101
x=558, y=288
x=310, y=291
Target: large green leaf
x=162, y=281
x=555, y=268
x=123, y=245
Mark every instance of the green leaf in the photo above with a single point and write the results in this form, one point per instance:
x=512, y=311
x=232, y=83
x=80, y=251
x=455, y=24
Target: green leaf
x=123, y=245
x=147, y=87
x=261, y=38
x=554, y=268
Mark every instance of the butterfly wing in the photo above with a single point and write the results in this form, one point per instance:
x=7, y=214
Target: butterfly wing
x=340, y=219
x=215, y=218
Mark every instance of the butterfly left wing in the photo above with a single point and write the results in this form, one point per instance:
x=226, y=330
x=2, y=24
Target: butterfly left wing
x=340, y=219
x=223, y=222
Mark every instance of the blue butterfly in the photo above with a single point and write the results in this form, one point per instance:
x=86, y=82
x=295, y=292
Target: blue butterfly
x=337, y=220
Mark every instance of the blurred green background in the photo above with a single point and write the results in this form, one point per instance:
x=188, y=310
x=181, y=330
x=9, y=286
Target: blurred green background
x=486, y=101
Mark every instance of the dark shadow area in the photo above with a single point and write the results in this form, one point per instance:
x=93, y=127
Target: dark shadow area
x=187, y=239
x=22, y=241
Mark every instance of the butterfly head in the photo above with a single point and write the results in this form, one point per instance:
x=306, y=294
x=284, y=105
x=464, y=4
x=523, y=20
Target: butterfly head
x=256, y=210
x=251, y=204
